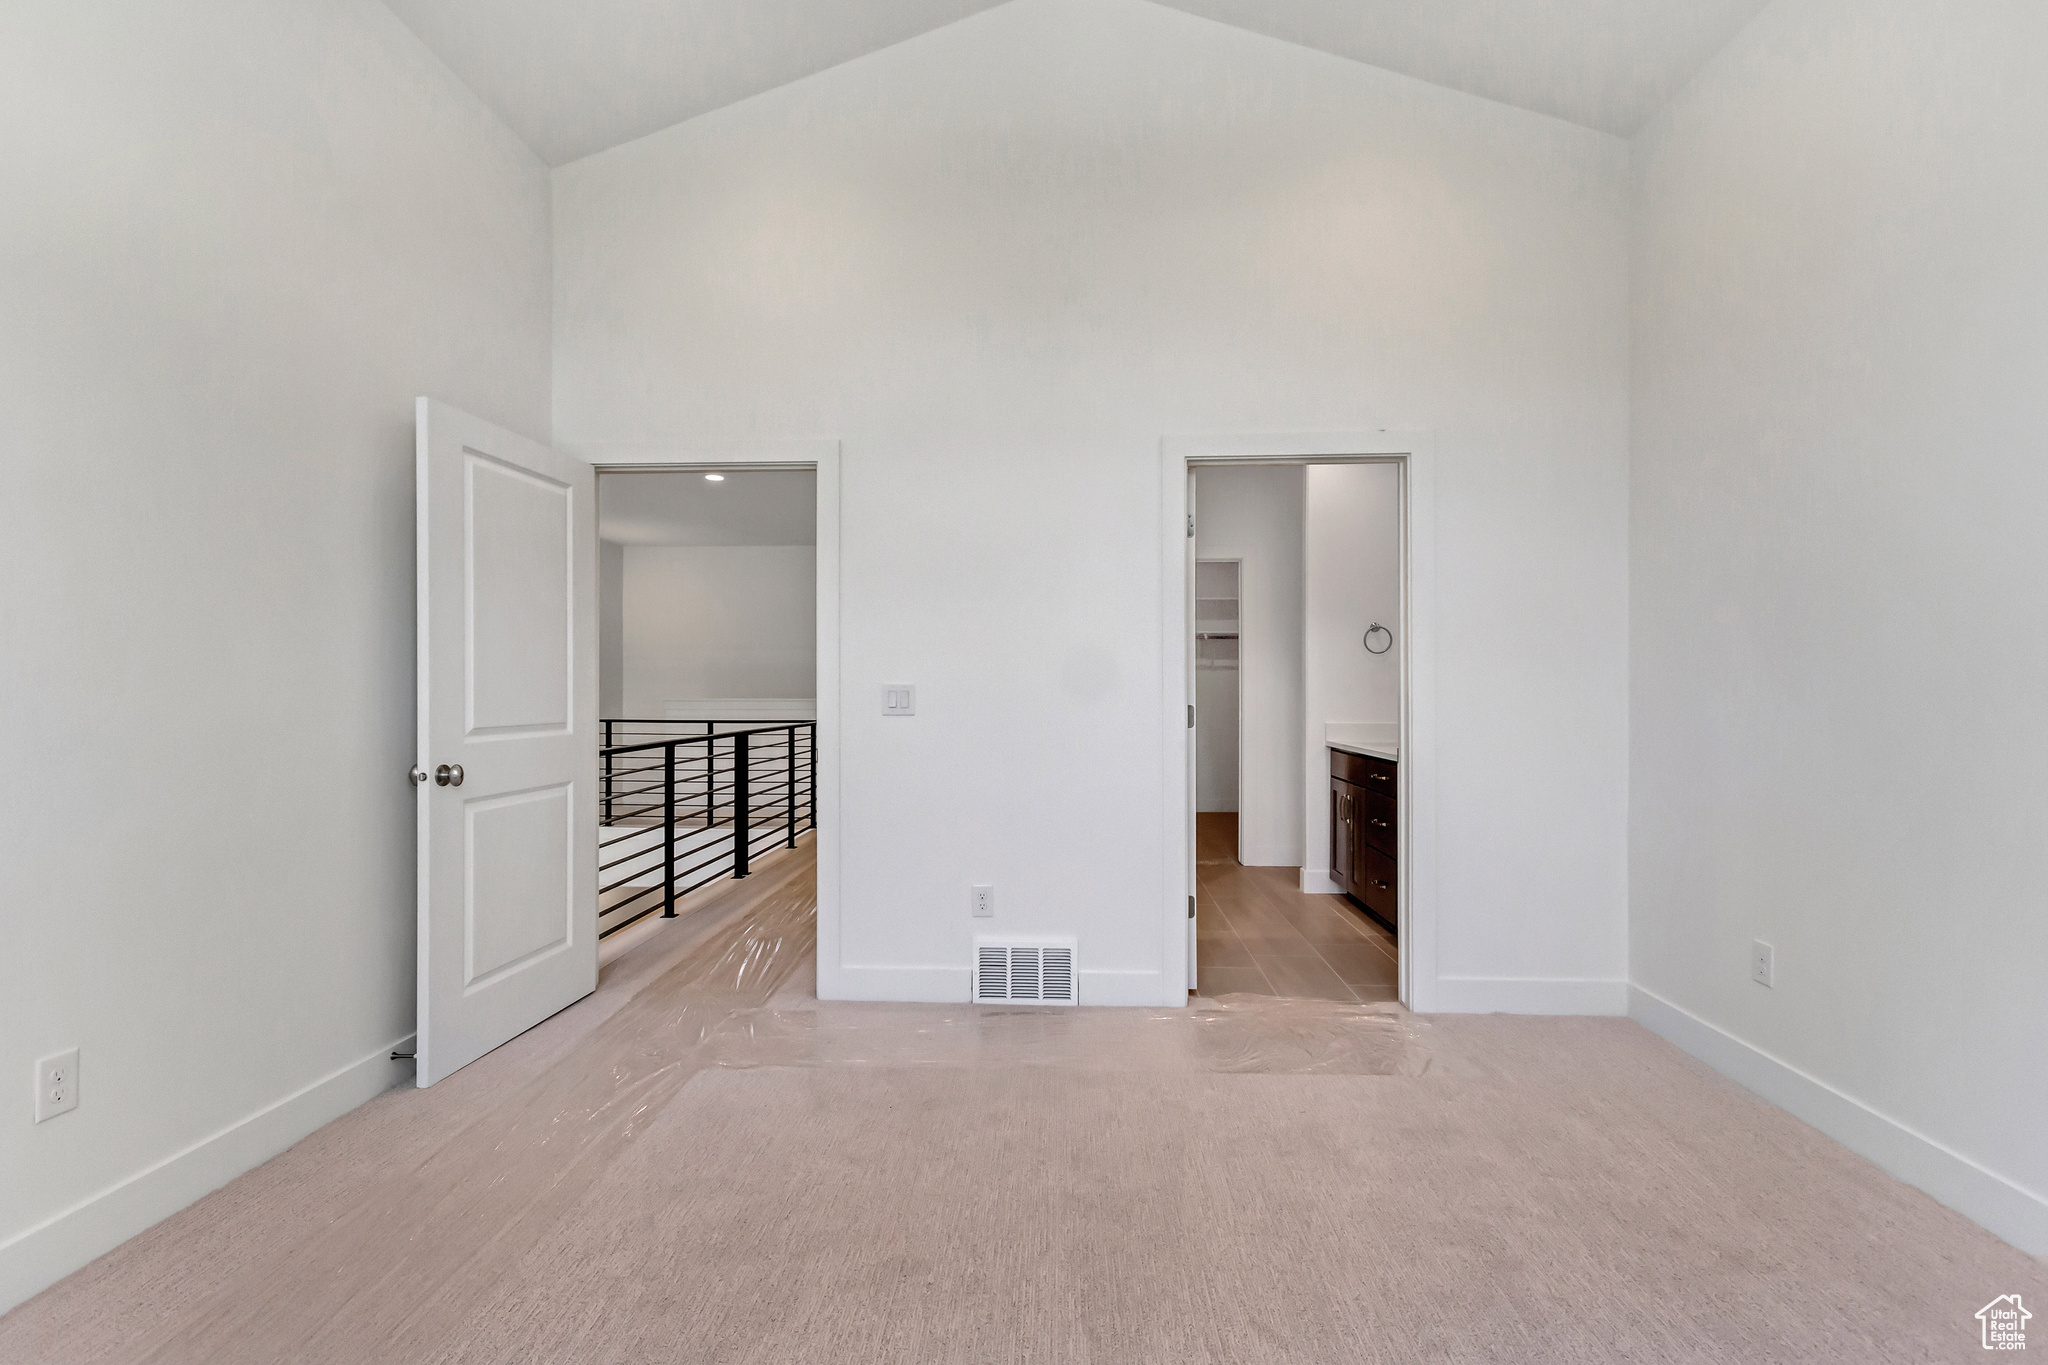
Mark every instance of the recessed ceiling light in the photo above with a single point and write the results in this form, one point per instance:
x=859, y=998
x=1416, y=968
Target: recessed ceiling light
x=715, y=478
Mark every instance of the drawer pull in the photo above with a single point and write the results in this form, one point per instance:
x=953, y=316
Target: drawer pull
x=1381, y=823
x=1383, y=886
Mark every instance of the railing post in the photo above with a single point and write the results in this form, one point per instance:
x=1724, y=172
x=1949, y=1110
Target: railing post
x=668, y=831
x=789, y=820
x=740, y=804
x=607, y=773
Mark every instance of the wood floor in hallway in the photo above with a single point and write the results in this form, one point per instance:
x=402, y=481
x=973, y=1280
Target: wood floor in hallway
x=1259, y=933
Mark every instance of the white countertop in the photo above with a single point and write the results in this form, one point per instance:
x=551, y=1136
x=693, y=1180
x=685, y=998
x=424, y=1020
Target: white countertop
x=1390, y=752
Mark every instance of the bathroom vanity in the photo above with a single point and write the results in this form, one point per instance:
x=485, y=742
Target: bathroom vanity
x=1365, y=824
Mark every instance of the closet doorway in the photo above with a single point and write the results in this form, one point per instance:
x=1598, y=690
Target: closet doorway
x=1219, y=700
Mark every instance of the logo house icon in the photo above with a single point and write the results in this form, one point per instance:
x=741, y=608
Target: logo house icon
x=2005, y=1323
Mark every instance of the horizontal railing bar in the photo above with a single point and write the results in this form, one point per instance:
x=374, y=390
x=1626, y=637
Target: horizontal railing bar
x=611, y=929
x=625, y=880
x=686, y=765
x=685, y=802
x=651, y=851
x=691, y=739
x=722, y=856
x=676, y=728
x=701, y=720
x=633, y=918
x=628, y=900
x=723, y=853
x=653, y=906
x=684, y=835
x=652, y=811
x=696, y=806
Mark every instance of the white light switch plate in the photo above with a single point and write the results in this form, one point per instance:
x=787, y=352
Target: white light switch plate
x=56, y=1085
x=899, y=699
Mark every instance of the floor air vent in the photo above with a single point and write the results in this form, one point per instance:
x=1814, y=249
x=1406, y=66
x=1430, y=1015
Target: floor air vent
x=1037, y=973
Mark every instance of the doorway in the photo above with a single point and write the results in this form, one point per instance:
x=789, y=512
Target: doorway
x=1322, y=872
x=1296, y=896
x=510, y=747
x=1218, y=630
x=707, y=681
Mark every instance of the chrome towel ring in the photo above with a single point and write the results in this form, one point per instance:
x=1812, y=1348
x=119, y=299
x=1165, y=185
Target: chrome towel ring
x=1378, y=629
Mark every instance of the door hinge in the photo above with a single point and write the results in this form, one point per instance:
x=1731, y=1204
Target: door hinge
x=1191, y=717
x=1191, y=526
x=1191, y=907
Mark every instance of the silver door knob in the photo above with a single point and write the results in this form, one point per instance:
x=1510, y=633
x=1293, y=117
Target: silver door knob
x=448, y=775
x=417, y=775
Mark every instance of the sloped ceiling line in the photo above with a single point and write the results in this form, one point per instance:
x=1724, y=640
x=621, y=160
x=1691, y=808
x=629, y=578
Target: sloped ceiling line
x=574, y=79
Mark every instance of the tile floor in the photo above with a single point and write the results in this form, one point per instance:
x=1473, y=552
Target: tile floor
x=1258, y=933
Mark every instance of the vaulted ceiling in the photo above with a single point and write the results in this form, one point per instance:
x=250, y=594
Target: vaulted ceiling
x=572, y=79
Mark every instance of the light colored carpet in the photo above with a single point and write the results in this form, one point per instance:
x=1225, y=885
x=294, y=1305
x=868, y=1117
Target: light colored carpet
x=1022, y=1214
x=702, y=1163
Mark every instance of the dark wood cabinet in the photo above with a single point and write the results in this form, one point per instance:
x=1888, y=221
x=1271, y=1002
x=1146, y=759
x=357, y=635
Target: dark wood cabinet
x=1365, y=826
x=1343, y=833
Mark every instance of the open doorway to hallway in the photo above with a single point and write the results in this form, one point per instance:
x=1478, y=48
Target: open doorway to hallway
x=1297, y=684
x=707, y=681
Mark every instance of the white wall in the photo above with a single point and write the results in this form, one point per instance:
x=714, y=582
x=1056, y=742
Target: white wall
x=1255, y=514
x=1001, y=260
x=1351, y=577
x=718, y=621
x=240, y=239
x=611, y=629
x=1216, y=744
x=1839, y=625
x=1216, y=689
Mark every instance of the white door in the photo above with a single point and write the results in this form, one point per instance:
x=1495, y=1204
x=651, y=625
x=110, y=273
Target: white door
x=507, y=774
x=1194, y=979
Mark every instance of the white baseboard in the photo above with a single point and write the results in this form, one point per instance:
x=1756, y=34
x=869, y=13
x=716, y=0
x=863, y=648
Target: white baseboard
x=1123, y=988
x=1251, y=853
x=2012, y=1211
x=914, y=985
x=1528, y=995
x=37, y=1258
x=1319, y=884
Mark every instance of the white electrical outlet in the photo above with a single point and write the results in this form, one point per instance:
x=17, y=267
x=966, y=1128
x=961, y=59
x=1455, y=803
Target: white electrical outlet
x=56, y=1085
x=984, y=902
x=1762, y=962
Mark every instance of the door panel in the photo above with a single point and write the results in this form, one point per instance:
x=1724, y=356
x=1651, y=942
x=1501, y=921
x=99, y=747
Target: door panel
x=519, y=542
x=508, y=717
x=520, y=849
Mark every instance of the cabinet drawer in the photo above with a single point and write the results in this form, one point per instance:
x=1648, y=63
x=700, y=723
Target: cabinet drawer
x=1376, y=885
x=1378, y=823
x=1373, y=774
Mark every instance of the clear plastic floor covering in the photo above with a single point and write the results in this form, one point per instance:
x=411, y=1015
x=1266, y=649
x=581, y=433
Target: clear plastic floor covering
x=447, y=1222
